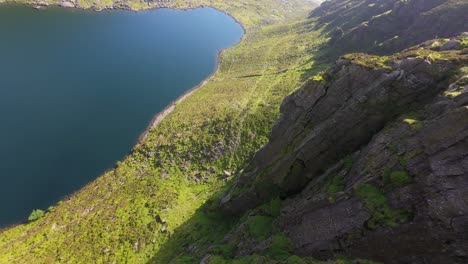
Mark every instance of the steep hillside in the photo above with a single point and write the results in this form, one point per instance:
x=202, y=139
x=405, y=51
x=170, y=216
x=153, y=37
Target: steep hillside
x=370, y=155
x=129, y=213
x=364, y=159
x=388, y=26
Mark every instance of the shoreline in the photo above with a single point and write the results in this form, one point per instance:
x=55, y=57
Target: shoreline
x=158, y=117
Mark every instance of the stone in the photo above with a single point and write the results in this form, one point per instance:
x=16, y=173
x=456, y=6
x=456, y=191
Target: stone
x=451, y=44
x=67, y=4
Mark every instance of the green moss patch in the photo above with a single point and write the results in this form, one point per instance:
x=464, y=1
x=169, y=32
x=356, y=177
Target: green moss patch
x=377, y=205
x=322, y=77
x=36, y=214
x=280, y=248
x=260, y=227
x=336, y=185
x=369, y=61
x=400, y=178
x=464, y=42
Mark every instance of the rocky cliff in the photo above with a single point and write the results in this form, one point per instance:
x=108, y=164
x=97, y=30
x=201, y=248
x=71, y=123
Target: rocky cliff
x=371, y=159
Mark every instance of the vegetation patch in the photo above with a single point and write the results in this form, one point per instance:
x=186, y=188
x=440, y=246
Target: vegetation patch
x=430, y=55
x=260, y=227
x=458, y=89
x=397, y=178
x=271, y=208
x=452, y=94
x=322, y=77
x=381, y=213
x=226, y=251
x=464, y=42
x=400, y=178
x=413, y=121
x=336, y=185
x=462, y=82
x=369, y=61
x=280, y=248
x=36, y=214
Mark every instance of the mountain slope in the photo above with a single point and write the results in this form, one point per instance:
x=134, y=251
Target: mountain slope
x=363, y=157
x=129, y=213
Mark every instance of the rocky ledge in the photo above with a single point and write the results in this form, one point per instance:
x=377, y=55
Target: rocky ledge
x=371, y=159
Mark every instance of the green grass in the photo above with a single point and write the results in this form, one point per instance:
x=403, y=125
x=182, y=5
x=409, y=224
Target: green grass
x=336, y=185
x=260, y=227
x=369, y=61
x=413, y=120
x=280, y=248
x=155, y=205
x=399, y=178
x=226, y=251
x=464, y=43
x=36, y=214
x=382, y=215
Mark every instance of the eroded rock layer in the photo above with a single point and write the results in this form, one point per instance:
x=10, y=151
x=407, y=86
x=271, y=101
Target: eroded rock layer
x=371, y=158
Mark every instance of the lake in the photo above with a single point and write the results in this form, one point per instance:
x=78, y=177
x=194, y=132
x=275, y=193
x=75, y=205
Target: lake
x=77, y=88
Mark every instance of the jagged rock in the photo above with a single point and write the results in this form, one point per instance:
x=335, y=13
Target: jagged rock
x=437, y=162
x=404, y=116
x=324, y=121
x=315, y=227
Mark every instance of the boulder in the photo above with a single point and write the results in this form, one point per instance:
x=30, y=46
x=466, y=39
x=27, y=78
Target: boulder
x=451, y=44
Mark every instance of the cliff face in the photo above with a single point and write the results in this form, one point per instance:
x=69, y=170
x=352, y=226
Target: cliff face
x=388, y=26
x=372, y=159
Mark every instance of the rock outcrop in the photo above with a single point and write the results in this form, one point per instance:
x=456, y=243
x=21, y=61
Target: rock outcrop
x=371, y=158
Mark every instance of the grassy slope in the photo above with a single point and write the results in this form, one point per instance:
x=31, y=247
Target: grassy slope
x=128, y=214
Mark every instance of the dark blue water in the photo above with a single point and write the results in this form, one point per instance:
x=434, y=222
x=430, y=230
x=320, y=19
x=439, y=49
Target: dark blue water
x=77, y=88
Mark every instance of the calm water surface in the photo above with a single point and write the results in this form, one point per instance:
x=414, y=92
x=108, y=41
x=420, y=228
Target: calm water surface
x=77, y=88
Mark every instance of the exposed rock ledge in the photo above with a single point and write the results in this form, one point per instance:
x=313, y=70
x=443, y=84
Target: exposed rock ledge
x=394, y=132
